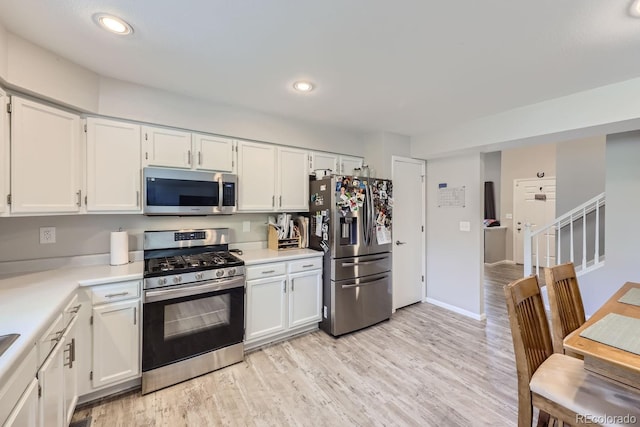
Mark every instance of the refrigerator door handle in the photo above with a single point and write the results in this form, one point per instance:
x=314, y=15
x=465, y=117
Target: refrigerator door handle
x=365, y=283
x=370, y=261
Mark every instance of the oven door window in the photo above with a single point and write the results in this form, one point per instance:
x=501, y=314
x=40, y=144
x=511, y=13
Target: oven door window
x=180, y=192
x=177, y=329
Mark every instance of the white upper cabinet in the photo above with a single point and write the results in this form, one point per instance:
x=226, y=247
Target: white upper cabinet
x=45, y=159
x=272, y=178
x=5, y=160
x=174, y=148
x=113, y=166
x=167, y=147
x=348, y=163
x=324, y=161
x=256, y=176
x=293, y=180
x=213, y=153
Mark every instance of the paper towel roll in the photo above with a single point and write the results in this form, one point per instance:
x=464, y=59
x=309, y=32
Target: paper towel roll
x=119, y=247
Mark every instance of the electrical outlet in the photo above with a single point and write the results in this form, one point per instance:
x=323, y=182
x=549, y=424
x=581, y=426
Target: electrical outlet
x=246, y=226
x=47, y=235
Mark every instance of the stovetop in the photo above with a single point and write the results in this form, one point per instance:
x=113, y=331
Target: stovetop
x=177, y=264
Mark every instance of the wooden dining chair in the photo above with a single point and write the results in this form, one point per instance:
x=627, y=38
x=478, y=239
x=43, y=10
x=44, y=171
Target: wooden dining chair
x=556, y=384
x=565, y=303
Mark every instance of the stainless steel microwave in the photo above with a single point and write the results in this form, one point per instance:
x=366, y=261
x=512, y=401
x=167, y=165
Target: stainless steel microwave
x=185, y=192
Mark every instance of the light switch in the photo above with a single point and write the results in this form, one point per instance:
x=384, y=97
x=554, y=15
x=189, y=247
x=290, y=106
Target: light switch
x=465, y=226
x=246, y=226
x=508, y=216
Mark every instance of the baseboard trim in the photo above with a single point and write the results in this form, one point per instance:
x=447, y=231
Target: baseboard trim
x=458, y=310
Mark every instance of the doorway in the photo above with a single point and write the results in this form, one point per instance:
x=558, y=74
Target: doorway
x=408, y=231
x=534, y=203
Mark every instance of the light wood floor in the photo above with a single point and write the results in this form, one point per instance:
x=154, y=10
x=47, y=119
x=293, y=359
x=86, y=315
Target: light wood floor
x=426, y=366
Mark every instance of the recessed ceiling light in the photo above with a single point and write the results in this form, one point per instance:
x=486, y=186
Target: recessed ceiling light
x=634, y=10
x=113, y=24
x=302, y=86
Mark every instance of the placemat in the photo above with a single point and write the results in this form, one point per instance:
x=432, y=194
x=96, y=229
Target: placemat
x=617, y=331
x=631, y=297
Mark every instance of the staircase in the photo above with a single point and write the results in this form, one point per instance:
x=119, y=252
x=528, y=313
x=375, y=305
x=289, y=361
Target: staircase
x=577, y=234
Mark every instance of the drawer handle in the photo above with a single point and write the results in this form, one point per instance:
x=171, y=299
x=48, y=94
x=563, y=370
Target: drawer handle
x=75, y=309
x=307, y=265
x=119, y=294
x=268, y=272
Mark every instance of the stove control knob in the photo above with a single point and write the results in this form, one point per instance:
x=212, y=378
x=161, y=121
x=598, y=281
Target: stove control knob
x=162, y=281
x=199, y=276
x=232, y=271
x=177, y=279
x=219, y=273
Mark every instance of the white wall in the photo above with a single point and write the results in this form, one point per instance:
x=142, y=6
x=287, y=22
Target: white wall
x=600, y=111
x=89, y=234
x=622, y=232
x=37, y=71
x=454, y=257
x=3, y=53
x=521, y=163
x=381, y=146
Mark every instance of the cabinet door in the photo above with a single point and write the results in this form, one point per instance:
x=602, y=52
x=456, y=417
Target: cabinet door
x=116, y=342
x=113, y=166
x=305, y=293
x=167, y=147
x=256, y=176
x=266, y=307
x=4, y=152
x=70, y=370
x=25, y=413
x=51, y=380
x=293, y=180
x=349, y=163
x=45, y=159
x=324, y=161
x=214, y=153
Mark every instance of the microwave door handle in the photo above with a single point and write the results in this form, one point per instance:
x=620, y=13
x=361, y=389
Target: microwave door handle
x=220, y=192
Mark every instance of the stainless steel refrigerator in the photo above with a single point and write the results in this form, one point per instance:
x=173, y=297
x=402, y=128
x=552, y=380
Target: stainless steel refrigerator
x=351, y=221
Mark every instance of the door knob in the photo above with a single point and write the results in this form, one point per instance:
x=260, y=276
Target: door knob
x=398, y=243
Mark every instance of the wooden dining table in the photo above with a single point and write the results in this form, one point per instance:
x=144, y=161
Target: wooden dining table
x=611, y=362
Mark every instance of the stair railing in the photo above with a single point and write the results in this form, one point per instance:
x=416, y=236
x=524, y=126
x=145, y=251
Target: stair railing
x=532, y=239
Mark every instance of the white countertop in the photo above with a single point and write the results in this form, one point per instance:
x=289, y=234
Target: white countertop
x=260, y=256
x=30, y=301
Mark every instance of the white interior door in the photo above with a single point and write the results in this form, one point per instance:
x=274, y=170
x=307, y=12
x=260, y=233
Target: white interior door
x=534, y=203
x=408, y=231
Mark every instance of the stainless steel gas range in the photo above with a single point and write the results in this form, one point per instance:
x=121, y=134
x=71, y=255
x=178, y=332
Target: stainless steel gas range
x=193, y=311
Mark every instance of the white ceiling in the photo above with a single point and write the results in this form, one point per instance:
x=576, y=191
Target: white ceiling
x=404, y=66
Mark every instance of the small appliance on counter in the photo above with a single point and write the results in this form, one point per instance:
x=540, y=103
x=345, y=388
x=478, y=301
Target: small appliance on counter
x=350, y=220
x=193, y=306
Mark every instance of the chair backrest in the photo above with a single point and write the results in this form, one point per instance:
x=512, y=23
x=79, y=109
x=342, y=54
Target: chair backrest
x=529, y=328
x=565, y=302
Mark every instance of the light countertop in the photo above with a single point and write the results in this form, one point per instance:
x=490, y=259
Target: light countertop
x=261, y=256
x=29, y=302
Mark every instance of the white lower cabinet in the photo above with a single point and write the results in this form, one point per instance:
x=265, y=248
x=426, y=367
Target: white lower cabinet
x=25, y=413
x=51, y=381
x=116, y=342
x=283, y=299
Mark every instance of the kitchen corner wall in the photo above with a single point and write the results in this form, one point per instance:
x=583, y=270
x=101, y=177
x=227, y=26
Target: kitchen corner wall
x=31, y=69
x=89, y=234
x=455, y=258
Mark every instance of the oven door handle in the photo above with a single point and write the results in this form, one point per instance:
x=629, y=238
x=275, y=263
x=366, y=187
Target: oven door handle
x=189, y=290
